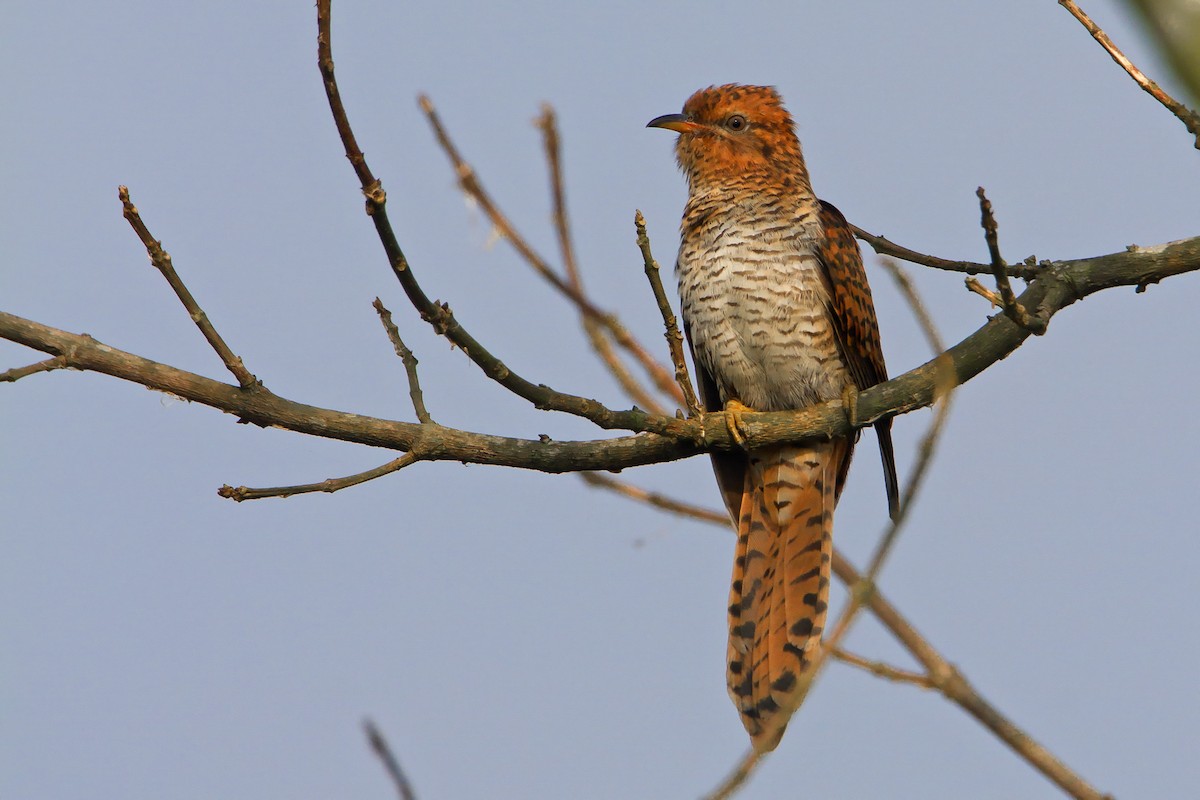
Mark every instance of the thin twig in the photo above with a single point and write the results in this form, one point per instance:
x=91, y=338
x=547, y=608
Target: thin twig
x=924, y=457
x=390, y=762
x=439, y=315
x=16, y=373
x=886, y=247
x=409, y=360
x=240, y=493
x=655, y=499
x=882, y=669
x=973, y=285
x=915, y=303
x=1008, y=300
x=738, y=776
x=1187, y=116
x=672, y=334
x=547, y=123
x=161, y=260
x=470, y=184
x=596, y=332
x=946, y=382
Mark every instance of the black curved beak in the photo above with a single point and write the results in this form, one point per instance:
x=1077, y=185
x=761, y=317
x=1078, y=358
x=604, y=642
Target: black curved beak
x=673, y=122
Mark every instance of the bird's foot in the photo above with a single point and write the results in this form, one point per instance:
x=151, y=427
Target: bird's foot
x=734, y=422
x=850, y=403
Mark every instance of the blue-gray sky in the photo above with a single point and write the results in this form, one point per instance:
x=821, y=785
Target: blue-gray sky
x=517, y=634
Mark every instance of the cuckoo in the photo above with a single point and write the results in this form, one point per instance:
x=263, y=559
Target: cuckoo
x=779, y=316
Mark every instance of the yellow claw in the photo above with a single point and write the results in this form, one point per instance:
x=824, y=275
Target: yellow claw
x=734, y=422
x=850, y=403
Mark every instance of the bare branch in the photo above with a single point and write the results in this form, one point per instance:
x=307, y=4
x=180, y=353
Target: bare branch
x=262, y=407
x=470, y=184
x=655, y=499
x=945, y=389
x=1187, y=116
x=673, y=336
x=547, y=123
x=946, y=382
x=161, y=260
x=954, y=686
x=16, y=373
x=409, y=360
x=438, y=314
x=595, y=330
x=738, y=776
x=330, y=485
x=886, y=247
x=1060, y=285
x=862, y=590
x=915, y=303
x=942, y=675
x=1008, y=301
x=390, y=763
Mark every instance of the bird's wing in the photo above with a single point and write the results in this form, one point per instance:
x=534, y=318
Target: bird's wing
x=857, y=329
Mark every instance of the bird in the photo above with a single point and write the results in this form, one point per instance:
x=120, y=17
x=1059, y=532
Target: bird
x=778, y=315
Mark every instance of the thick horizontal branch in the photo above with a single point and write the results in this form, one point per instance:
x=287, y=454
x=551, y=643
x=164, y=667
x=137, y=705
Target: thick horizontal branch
x=259, y=406
x=1060, y=285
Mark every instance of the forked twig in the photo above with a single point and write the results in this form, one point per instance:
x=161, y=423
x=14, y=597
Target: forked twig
x=1007, y=298
x=161, y=260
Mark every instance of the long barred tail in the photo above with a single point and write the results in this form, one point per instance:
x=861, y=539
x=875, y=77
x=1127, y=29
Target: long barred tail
x=780, y=587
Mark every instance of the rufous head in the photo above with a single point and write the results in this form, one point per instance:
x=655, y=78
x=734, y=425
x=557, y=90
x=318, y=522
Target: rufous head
x=732, y=132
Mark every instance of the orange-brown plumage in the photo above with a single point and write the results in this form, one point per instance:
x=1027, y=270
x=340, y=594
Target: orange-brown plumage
x=779, y=316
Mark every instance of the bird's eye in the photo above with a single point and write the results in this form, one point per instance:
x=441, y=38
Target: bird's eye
x=736, y=123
